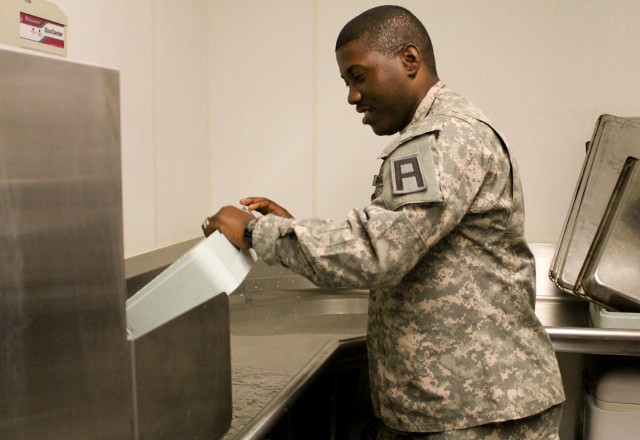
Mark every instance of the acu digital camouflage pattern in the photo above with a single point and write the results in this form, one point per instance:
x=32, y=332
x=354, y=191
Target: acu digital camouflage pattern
x=452, y=336
x=540, y=426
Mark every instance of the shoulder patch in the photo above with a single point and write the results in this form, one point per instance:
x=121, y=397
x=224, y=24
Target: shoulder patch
x=407, y=175
x=410, y=175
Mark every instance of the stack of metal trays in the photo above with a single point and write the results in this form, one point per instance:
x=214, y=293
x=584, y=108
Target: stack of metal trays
x=598, y=255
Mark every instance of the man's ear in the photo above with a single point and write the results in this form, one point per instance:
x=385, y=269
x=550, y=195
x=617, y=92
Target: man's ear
x=411, y=59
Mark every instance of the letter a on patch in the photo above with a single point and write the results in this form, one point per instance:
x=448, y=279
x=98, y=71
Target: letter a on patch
x=407, y=175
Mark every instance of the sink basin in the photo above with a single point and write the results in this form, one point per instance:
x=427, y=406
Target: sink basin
x=334, y=311
x=301, y=311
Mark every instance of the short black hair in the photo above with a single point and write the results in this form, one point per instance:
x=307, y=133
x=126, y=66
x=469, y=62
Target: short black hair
x=388, y=30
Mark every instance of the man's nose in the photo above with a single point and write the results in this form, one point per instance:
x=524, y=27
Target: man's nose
x=354, y=96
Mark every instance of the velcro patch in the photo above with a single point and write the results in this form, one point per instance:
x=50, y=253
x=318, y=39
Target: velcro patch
x=407, y=175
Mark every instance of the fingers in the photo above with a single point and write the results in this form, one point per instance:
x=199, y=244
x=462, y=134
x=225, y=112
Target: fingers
x=259, y=204
x=209, y=226
x=265, y=206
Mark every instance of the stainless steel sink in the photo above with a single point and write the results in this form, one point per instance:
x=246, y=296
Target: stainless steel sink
x=300, y=311
x=317, y=310
x=562, y=312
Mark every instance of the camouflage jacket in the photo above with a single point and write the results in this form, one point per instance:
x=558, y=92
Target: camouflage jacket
x=453, y=338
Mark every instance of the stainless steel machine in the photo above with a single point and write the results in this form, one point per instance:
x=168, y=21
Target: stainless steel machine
x=67, y=370
x=64, y=362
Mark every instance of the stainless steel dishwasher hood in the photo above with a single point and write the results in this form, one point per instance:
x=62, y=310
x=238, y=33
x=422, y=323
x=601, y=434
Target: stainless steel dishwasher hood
x=66, y=369
x=64, y=362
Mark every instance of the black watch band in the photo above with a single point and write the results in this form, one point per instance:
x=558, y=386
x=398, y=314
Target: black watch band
x=248, y=232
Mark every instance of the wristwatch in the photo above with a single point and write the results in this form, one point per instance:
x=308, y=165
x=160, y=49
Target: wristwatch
x=248, y=232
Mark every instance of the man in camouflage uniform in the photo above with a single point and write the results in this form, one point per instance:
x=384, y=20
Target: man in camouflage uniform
x=455, y=348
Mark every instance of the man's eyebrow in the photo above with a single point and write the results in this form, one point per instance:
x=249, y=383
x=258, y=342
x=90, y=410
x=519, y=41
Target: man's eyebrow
x=347, y=72
x=351, y=69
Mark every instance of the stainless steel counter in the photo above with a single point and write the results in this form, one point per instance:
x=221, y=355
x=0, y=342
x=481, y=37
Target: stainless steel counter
x=280, y=342
x=284, y=331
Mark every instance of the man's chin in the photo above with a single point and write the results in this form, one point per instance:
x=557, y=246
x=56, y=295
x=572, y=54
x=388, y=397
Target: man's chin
x=382, y=131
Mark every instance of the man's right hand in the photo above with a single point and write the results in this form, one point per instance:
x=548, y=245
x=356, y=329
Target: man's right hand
x=265, y=206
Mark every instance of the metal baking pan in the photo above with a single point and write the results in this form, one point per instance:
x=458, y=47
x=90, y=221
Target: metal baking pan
x=611, y=273
x=614, y=140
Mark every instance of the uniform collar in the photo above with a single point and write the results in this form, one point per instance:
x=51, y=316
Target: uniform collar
x=418, y=118
x=425, y=106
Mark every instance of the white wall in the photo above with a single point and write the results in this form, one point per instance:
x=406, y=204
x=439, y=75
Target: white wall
x=227, y=98
x=543, y=71
x=161, y=48
x=262, y=101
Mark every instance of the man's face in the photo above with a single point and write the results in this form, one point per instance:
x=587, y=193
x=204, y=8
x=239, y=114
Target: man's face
x=379, y=87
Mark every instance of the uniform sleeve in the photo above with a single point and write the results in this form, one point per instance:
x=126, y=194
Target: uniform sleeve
x=367, y=250
x=375, y=246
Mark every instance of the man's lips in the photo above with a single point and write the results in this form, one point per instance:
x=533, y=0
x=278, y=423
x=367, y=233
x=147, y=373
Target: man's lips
x=367, y=114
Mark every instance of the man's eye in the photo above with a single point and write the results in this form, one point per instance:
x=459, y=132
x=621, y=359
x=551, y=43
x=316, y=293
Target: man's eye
x=357, y=79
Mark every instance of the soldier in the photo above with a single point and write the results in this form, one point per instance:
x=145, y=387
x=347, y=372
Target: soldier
x=455, y=348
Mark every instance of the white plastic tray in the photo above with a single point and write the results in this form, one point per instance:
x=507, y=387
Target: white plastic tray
x=602, y=318
x=211, y=267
